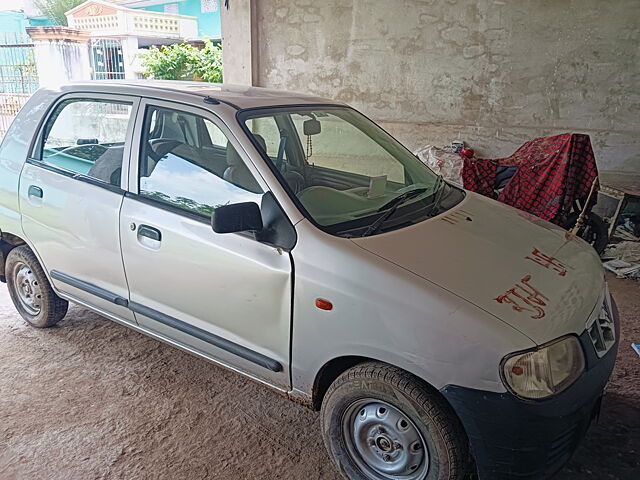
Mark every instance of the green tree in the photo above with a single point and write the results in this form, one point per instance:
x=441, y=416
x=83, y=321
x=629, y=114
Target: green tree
x=182, y=61
x=208, y=62
x=54, y=9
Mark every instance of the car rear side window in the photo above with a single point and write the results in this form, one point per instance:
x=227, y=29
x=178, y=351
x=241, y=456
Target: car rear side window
x=186, y=161
x=88, y=137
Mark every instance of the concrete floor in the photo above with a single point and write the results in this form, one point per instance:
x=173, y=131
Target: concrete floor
x=90, y=399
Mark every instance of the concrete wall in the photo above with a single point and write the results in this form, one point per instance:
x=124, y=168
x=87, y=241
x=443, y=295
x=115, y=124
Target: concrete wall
x=61, y=55
x=238, y=32
x=493, y=73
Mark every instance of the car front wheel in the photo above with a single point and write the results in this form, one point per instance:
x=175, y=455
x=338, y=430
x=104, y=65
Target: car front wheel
x=381, y=423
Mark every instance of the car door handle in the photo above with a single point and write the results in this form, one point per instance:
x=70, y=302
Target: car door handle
x=150, y=232
x=35, y=191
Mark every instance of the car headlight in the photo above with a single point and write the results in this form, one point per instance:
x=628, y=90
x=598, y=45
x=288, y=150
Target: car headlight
x=545, y=371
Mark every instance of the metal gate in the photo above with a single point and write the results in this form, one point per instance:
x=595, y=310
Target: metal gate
x=18, y=75
x=107, y=62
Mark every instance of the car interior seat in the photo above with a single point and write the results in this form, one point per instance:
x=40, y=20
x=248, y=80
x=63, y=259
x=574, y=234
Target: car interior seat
x=237, y=172
x=108, y=166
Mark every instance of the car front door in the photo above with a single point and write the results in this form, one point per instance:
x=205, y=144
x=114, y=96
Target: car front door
x=227, y=296
x=71, y=191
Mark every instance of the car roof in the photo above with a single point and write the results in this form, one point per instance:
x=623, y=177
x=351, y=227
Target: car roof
x=238, y=96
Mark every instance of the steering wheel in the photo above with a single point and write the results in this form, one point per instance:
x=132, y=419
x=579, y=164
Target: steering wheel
x=294, y=180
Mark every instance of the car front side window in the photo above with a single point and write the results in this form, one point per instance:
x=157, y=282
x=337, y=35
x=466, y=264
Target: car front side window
x=88, y=136
x=186, y=161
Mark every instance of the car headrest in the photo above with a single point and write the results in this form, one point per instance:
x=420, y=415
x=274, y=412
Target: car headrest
x=171, y=127
x=233, y=158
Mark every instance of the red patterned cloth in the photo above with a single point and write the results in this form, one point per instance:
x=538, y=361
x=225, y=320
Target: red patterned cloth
x=552, y=173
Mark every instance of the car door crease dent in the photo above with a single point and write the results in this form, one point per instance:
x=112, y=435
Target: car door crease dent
x=220, y=342
x=215, y=340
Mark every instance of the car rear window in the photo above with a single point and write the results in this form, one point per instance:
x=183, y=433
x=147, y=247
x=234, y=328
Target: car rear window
x=87, y=136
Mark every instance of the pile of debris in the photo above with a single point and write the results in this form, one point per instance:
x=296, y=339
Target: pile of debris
x=629, y=227
x=623, y=259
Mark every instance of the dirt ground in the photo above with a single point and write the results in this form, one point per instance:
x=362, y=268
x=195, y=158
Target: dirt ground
x=90, y=399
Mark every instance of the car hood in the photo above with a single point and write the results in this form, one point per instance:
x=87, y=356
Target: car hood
x=523, y=270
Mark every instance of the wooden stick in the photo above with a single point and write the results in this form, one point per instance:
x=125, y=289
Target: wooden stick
x=580, y=220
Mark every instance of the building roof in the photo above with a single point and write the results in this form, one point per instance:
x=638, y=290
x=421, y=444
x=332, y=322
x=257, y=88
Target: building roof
x=106, y=19
x=239, y=96
x=101, y=7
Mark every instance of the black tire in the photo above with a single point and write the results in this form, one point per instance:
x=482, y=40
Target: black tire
x=47, y=308
x=594, y=230
x=447, y=452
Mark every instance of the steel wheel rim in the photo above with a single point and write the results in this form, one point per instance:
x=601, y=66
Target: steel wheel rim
x=27, y=289
x=384, y=442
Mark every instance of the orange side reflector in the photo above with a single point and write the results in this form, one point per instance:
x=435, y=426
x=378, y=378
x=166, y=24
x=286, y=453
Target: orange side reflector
x=323, y=304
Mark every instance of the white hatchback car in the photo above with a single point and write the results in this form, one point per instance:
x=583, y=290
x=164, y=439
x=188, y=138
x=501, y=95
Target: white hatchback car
x=291, y=239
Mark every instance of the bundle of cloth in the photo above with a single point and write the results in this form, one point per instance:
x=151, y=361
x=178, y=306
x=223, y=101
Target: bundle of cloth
x=546, y=176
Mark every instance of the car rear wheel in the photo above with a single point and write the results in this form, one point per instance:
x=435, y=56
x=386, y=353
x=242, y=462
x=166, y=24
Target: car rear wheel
x=381, y=423
x=31, y=291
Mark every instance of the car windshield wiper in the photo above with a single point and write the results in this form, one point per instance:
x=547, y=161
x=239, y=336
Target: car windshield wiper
x=392, y=205
x=436, y=202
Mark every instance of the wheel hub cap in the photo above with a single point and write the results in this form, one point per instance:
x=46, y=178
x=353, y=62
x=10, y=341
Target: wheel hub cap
x=28, y=289
x=384, y=442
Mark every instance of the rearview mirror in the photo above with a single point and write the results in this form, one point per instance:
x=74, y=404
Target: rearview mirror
x=237, y=217
x=311, y=127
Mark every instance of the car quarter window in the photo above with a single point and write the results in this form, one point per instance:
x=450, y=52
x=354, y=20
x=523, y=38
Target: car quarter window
x=187, y=161
x=87, y=136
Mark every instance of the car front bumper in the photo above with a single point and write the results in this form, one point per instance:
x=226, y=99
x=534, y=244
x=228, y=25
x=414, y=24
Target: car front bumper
x=512, y=438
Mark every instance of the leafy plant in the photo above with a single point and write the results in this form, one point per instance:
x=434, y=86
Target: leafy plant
x=208, y=62
x=182, y=61
x=167, y=63
x=54, y=9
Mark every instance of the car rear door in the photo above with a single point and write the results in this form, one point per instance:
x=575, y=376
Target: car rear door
x=226, y=296
x=71, y=192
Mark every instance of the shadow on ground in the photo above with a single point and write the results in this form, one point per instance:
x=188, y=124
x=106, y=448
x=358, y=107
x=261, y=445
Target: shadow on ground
x=92, y=399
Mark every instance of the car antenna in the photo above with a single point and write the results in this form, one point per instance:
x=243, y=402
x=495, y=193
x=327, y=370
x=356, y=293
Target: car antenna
x=211, y=100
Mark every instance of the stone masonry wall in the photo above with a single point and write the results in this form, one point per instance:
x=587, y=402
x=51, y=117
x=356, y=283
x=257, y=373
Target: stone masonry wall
x=493, y=73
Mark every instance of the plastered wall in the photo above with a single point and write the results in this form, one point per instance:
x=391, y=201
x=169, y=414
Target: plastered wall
x=493, y=73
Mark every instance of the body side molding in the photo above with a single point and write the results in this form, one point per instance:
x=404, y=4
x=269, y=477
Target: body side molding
x=90, y=288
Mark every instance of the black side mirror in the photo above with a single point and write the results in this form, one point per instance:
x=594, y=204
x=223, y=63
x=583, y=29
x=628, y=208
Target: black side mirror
x=311, y=127
x=237, y=217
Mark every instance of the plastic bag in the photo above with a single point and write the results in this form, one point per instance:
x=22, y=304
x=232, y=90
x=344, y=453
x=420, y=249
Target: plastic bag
x=442, y=162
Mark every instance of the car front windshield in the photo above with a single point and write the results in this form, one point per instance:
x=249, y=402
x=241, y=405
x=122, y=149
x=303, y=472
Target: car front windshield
x=345, y=171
